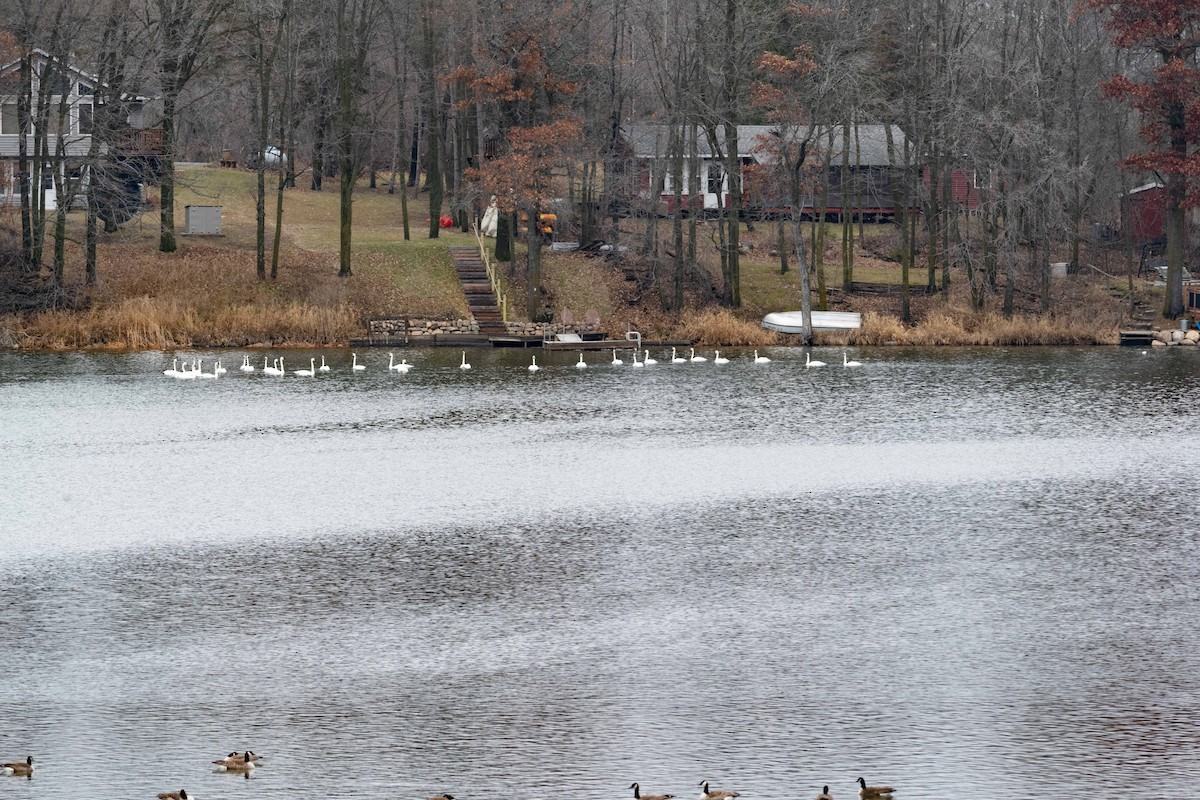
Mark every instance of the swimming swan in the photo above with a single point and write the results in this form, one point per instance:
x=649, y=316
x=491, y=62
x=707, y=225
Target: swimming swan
x=695, y=359
x=760, y=359
x=616, y=362
x=464, y=364
x=533, y=367
x=808, y=362
x=647, y=360
x=324, y=367
x=846, y=363
x=355, y=365
x=403, y=367
x=247, y=366
x=719, y=359
x=581, y=364
x=677, y=359
x=307, y=373
x=637, y=363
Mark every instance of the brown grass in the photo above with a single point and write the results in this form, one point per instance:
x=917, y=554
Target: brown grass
x=720, y=327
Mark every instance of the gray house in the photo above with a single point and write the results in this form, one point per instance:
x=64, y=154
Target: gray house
x=867, y=186
x=73, y=134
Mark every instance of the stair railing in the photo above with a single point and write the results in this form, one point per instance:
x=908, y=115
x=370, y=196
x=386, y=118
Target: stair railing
x=491, y=273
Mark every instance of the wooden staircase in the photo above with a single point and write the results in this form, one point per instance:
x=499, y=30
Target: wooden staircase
x=481, y=300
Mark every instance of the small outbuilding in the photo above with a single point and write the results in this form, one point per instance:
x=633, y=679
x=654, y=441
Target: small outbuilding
x=1144, y=210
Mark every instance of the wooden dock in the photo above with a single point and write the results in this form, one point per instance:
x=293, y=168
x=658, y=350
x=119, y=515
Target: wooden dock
x=1137, y=338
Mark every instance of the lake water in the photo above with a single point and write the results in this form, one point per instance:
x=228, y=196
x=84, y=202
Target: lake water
x=964, y=573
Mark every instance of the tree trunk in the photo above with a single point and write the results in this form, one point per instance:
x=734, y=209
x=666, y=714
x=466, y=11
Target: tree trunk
x=166, y=239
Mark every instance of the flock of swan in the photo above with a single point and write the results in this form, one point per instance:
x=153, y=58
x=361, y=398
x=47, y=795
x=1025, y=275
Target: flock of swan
x=194, y=369
x=246, y=762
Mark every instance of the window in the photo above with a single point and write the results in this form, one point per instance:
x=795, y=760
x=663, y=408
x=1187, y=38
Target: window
x=85, y=119
x=84, y=89
x=8, y=119
x=715, y=178
x=981, y=181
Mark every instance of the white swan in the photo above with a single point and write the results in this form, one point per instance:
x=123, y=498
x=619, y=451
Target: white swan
x=392, y=365
x=202, y=374
x=719, y=359
x=808, y=362
x=218, y=369
x=677, y=359
x=846, y=363
x=647, y=360
x=637, y=363
x=581, y=364
x=695, y=359
x=265, y=365
x=247, y=366
x=357, y=367
x=533, y=367
x=616, y=362
x=324, y=367
x=271, y=370
x=174, y=370
x=307, y=373
x=403, y=367
x=281, y=370
x=464, y=364
x=760, y=359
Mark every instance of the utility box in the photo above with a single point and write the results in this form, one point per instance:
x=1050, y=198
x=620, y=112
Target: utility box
x=202, y=220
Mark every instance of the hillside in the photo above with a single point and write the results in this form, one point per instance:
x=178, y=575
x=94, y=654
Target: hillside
x=207, y=293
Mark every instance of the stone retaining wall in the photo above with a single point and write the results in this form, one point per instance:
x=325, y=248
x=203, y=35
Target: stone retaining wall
x=1165, y=338
x=417, y=328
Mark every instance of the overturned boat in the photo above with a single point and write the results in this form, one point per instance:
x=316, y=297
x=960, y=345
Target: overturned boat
x=822, y=321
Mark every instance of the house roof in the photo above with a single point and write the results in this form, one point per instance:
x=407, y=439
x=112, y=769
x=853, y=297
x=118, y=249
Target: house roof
x=870, y=148
x=7, y=86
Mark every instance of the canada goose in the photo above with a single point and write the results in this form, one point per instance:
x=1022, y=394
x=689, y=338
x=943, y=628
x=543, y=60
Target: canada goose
x=719, y=359
x=639, y=796
x=824, y=795
x=236, y=762
x=581, y=364
x=247, y=366
x=716, y=794
x=22, y=768
x=236, y=756
x=873, y=791
x=808, y=361
x=677, y=359
x=648, y=361
x=695, y=358
x=307, y=373
x=464, y=364
x=180, y=795
x=357, y=367
x=324, y=367
x=533, y=367
x=616, y=362
x=760, y=359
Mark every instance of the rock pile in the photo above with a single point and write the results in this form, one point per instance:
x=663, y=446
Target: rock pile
x=1170, y=338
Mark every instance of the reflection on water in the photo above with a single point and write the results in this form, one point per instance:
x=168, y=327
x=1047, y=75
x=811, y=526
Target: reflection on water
x=962, y=573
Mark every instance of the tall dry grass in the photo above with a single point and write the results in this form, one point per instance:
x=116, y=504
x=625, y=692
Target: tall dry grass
x=719, y=327
x=955, y=327
x=142, y=323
